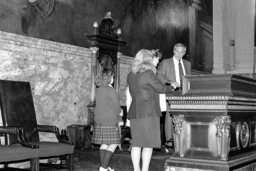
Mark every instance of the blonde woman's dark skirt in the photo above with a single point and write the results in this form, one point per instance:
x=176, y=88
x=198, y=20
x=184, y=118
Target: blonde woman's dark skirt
x=106, y=134
x=145, y=132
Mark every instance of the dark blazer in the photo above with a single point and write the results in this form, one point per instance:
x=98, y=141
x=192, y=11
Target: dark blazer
x=166, y=70
x=107, y=108
x=145, y=88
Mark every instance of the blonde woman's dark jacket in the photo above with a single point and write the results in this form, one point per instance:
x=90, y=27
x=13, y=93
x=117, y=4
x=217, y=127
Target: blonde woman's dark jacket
x=144, y=89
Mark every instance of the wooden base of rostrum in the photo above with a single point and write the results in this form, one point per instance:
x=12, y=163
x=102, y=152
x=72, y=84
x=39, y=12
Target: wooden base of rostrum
x=214, y=124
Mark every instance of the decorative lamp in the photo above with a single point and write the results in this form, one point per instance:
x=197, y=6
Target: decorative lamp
x=95, y=27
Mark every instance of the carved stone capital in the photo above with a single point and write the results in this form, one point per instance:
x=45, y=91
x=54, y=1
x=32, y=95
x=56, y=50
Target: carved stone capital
x=222, y=124
x=94, y=49
x=223, y=136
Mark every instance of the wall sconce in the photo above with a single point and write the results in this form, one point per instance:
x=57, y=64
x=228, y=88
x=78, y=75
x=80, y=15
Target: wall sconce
x=95, y=27
x=119, y=32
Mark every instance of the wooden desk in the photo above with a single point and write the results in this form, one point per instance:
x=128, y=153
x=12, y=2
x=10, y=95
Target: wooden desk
x=214, y=124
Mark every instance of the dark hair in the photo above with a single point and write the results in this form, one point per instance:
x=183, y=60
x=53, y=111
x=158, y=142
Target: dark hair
x=180, y=45
x=104, y=77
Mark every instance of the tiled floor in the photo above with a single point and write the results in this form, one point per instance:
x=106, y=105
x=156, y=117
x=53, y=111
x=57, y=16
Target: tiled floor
x=88, y=160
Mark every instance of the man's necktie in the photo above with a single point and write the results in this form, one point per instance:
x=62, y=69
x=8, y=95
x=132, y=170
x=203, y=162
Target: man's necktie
x=181, y=73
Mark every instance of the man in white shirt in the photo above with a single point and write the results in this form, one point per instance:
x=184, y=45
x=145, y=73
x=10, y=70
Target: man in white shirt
x=172, y=70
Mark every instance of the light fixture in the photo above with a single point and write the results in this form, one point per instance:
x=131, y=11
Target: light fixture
x=95, y=27
x=119, y=32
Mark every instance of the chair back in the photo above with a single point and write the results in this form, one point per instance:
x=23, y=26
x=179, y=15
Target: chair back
x=17, y=109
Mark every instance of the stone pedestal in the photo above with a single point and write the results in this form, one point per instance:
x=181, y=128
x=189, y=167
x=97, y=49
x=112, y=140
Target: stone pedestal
x=214, y=124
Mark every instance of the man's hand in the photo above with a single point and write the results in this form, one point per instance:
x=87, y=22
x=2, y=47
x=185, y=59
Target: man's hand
x=175, y=85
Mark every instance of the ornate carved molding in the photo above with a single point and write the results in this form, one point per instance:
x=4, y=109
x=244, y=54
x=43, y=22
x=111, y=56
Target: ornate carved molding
x=178, y=120
x=211, y=102
x=244, y=135
x=223, y=135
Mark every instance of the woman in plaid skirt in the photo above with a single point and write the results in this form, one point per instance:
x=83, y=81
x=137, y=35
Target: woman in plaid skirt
x=107, y=116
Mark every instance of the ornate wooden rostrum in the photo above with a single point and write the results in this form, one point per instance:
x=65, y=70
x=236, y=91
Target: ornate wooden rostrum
x=214, y=124
x=106, y=45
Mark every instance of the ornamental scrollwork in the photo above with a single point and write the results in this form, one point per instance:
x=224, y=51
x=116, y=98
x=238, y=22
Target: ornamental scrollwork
x=222, y=124
x=178, y=120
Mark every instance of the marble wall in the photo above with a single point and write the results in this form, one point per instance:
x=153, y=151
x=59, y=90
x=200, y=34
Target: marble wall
x=59, y=75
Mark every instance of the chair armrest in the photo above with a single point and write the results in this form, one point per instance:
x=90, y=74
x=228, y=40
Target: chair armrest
x=19, y=132
x=52, y=129
x=9, y=130
x=49, y=128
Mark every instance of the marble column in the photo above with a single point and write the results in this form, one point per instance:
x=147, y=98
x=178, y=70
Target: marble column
x=244, y=35
x=233, y=36
x=220, y=36
x=91, y=104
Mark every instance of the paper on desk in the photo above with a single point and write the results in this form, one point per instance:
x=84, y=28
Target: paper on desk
x=162, y=99
x=128, y=104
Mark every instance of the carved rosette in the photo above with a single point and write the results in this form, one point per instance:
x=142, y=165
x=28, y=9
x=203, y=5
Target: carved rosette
x=244, y=134
x=44, y=7
x=178, y=120
x=223, y=135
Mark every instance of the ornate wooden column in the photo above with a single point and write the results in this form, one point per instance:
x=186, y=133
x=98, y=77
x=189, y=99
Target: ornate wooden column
x=106, y=45
x=193, y=8
x=214, y=124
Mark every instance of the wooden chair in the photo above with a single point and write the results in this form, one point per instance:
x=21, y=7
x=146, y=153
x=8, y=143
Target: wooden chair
x=17, y=109
x=19, y=152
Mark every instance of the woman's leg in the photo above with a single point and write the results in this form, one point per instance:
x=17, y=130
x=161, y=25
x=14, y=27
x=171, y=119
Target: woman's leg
x=135, y=155
x=146, y=157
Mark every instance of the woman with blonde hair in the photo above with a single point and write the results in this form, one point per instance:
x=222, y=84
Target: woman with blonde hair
x=144, y=112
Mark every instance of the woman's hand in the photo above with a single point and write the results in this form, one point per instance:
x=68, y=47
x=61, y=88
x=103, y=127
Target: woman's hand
x=120, y=123
x=121, y=113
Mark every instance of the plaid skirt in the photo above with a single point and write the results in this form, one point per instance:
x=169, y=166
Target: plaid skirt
x=106, y=134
